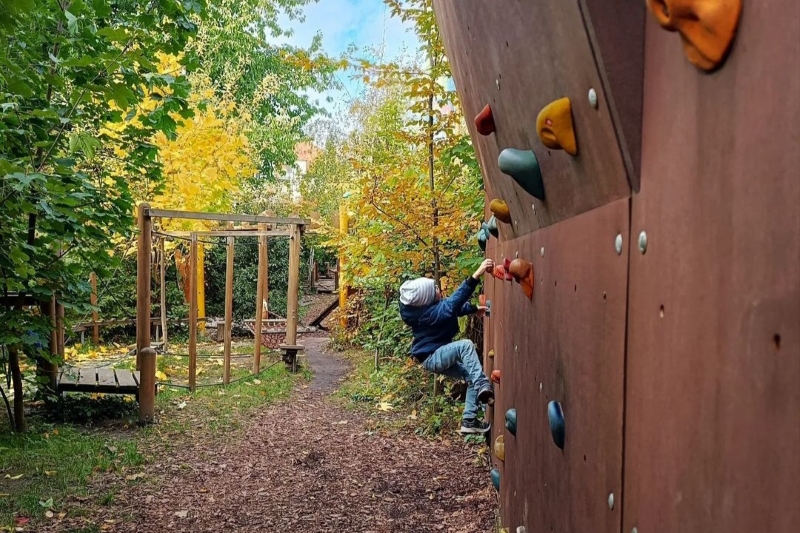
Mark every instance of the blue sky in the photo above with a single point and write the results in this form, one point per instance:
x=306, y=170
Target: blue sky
x=363, y=23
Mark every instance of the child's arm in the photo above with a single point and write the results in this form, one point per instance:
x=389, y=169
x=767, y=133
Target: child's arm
x=467, y=309
x=453, y=305
x=458, y=303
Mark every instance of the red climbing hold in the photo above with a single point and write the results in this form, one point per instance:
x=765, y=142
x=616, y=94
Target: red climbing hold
x=523, y=274
x=496, y=376
x=484, y=122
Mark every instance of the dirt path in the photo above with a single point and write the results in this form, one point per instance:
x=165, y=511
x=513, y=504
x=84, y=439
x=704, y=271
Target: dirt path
x=308, y=465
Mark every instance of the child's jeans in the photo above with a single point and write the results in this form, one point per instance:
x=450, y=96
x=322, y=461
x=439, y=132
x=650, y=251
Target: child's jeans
x=460, y=360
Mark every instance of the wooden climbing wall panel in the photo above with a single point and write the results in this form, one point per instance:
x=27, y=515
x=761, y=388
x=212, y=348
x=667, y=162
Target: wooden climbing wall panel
x=511, y=55
x=566, y=344
x=713, y=374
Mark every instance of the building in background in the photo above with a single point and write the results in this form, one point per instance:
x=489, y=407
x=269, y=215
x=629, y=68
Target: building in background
x=292, y=175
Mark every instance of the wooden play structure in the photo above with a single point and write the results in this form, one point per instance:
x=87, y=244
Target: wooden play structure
x=142, y=381
x=642, y=178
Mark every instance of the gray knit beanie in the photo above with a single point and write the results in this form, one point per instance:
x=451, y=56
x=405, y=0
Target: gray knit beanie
x=418, y=292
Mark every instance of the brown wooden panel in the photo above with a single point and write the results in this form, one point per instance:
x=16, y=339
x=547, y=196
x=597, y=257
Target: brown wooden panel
x=519, y=57
x=88, y=377
x=713, y=381
x=69, y=376
x=105, y=377
x=125, y=379
x=567, y=344
x=616, y=32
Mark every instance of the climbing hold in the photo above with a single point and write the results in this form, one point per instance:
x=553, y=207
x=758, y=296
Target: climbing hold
x=501, y=271
x=496, y=376
x=500, y=448
x=491, y=354
x=523, y=274
x=557, y=428
x=511, y=421
x=496, y=478
x=555, y=128
x=707, y=27
x=484, y=121
x=483, y=302
x=499, y=208
x=483, y=238
x=523, y=166
x=492, y=226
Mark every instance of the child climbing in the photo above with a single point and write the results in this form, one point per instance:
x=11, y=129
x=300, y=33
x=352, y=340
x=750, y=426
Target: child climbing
x=434, y=323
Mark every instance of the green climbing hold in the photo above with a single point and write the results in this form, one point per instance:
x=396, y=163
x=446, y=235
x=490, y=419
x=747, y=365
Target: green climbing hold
x=523, y=166
x=495, y=473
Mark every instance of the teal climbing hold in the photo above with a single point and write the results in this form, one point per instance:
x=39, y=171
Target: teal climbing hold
x=511, y=421
x=495, y=478
x=483, y=237
x=523, y=166
x=492, y=226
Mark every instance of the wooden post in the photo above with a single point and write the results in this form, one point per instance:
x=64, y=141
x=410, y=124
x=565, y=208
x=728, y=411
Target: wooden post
x=193, y=313
x=147, y=385
x=163, y=294
x=226, y=376
x=294, y=285
x=201, y=287
x=143, y=282
x=93, y=300
x=262, y=268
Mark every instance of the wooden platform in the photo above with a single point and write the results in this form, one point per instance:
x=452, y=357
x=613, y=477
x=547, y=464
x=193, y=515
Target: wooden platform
x=105, y=380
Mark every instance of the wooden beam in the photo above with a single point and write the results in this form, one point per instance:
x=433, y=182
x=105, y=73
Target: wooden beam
x=226, y=374
x=262, y=268
x=294, y=286
x=163, y=292
x=224, y=233
x=143, y=282
x=225, y=217
x=93, y=301
x=193, y=314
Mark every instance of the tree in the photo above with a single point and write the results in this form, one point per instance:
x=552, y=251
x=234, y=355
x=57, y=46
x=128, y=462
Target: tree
x=63, y=65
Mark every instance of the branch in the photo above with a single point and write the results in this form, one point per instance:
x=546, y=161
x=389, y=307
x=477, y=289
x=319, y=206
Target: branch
x=397, y=220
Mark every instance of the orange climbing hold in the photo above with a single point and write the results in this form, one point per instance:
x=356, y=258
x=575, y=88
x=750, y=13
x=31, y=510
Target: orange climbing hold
x=499, y=209
x=523, y=274
x=555, y=128
x=706, y=27
x=495, y=376
x=484, y=121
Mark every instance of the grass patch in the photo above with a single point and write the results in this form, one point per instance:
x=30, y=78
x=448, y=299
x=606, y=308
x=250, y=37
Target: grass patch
x=400, y=395
x=41, y=469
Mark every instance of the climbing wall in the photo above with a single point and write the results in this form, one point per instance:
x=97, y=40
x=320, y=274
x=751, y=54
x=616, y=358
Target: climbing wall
x=712, y=432
x=648, y=154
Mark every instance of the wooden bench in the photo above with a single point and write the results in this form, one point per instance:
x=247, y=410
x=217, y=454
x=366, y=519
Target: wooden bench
x=98, y=380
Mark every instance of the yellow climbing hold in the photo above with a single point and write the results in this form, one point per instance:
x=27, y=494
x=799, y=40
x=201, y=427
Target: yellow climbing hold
x=555, y=128
x=499, y=209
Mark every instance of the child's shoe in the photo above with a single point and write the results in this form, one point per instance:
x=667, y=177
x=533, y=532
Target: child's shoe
x=486, y=395
x=473, y=425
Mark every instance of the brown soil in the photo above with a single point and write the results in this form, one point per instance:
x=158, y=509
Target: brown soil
x=305, y=465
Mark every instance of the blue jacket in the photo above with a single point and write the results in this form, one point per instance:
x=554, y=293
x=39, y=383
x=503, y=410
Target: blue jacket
x=436, y=324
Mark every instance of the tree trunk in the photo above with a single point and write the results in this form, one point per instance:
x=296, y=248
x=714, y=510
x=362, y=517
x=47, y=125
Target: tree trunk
x=16, y=378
